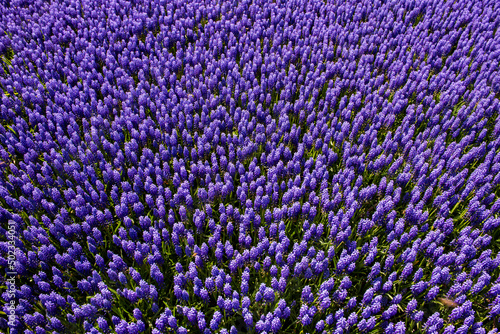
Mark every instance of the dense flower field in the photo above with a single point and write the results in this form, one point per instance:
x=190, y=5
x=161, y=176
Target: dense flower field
x=268, y=167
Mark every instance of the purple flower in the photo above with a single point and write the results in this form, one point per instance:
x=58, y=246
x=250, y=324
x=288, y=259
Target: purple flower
x=418, y=316
x=390, y=312
x=307, y=295
x=433, y=292
x=406, y=272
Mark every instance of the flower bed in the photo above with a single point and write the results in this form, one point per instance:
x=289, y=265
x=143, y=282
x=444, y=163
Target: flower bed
x=249, y=167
